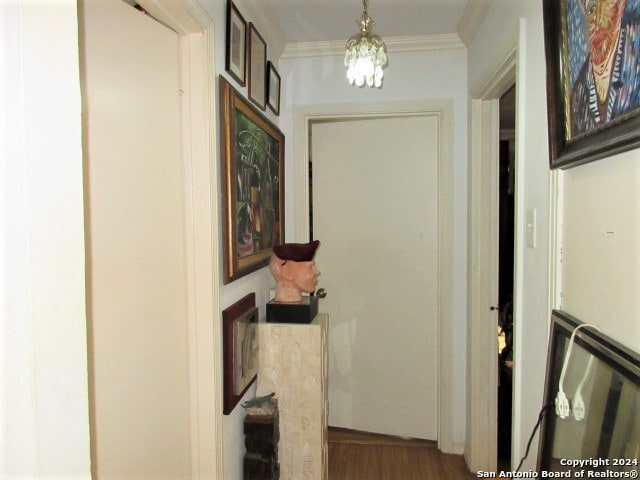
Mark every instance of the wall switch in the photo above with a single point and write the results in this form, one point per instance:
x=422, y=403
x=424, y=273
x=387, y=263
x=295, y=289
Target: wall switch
x=531, y=228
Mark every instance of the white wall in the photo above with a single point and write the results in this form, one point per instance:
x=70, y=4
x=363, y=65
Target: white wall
x=600, y=271
x=44, y=419
x=409, y=76
x=508, y=22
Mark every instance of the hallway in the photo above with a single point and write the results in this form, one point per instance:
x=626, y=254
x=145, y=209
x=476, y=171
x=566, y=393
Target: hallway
x=360, y=456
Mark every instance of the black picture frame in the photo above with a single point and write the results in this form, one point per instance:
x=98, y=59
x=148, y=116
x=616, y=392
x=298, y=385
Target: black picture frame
x=571, y=141
x=236, y=48
x=257, y=62
x=273, y=88
x=605, y=376
x=239, y=350
x=253, y=184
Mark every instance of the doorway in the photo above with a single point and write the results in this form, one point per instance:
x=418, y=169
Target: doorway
x=375, y=210
x=506, y=223
x=442, y=110
x=482, y=432
x=192, y=201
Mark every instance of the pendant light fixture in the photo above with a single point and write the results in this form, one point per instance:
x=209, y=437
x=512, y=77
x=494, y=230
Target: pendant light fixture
x=366, y=54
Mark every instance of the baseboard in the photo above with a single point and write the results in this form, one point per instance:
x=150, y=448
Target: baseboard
x=348, y=435
x=458, y=448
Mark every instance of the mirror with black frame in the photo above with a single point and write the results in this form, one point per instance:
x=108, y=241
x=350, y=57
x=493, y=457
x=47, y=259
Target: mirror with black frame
x=593, y=394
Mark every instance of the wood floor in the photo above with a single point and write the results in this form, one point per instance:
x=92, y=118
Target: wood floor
x=360, y=456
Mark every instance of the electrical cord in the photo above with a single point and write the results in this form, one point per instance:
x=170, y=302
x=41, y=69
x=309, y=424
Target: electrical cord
x=562, y=405
x=533, y=433
x=561, y=402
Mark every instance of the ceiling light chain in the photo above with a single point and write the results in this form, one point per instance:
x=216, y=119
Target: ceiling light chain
x=366, y=54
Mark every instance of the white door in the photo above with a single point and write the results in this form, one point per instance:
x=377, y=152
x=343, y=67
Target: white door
x=135, y=237
x=375, y=211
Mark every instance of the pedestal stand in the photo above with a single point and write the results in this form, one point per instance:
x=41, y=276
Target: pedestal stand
x=261, y=435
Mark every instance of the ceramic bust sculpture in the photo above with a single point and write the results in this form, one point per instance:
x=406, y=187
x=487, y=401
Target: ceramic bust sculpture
x=294, y=270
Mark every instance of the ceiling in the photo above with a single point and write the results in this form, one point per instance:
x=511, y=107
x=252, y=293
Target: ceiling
x=305, y=21
x=308, y=21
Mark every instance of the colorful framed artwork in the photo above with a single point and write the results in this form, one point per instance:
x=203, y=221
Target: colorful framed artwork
x=239, y=350
x=257, y=67
x=273, y=88
x=593, y=79
x=235, y=59
x=253, y=176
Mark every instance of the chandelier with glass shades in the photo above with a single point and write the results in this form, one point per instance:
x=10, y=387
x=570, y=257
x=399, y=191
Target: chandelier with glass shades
x=366, y=54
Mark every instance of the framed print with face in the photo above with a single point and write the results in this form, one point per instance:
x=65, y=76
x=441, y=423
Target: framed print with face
x=593, y=78
x=235, y=60
x=257, y=67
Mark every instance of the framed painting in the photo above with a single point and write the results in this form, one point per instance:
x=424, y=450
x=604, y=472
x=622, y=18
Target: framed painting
x=253, y=176
x=239, y=349
x=273, y=88
x=593, y=79
x=235, y=59
x=257, y=67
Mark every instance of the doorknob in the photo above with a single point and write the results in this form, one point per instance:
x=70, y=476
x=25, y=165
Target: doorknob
x=321, y=293
x=492, y=308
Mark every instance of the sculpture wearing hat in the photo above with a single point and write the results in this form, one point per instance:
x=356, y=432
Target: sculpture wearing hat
x=294, y=270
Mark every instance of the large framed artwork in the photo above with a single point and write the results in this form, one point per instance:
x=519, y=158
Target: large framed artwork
x=593, y=78
x=253, y=176
x=239, y=349
x=235, y=59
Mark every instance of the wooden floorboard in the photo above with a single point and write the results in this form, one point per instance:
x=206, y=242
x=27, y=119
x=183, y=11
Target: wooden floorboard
x=362, y=456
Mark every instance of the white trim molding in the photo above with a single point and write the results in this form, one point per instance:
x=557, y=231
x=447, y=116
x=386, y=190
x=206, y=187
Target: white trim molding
x=196, y=31
x=263, y=15
x=471, y=19
x=495, y=80
x=409, y=43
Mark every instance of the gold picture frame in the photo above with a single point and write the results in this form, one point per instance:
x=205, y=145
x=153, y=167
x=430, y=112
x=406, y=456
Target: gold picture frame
x=253, y=173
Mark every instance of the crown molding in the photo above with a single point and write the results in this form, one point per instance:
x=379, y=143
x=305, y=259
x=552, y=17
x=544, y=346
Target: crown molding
x=471, y=19
x=413, y=43
x=261, y=14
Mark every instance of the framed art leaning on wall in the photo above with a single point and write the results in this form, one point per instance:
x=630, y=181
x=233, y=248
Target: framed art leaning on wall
x=593, y=78
x=253, y=189
x=235, y=60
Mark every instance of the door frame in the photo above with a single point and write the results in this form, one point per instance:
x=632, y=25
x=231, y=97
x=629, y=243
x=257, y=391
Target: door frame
x=304, y=117
x=199, y=152
x=482, y=415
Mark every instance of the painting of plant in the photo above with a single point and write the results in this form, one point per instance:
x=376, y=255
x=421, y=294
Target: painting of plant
x=254, y=170
x=257, y=187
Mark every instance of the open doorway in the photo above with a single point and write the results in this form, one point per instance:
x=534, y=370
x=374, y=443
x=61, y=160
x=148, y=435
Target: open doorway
x=506, y=182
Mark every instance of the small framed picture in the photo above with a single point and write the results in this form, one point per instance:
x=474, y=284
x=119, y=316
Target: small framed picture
x=235, y=61
x=273, y=88
x=593, y=80
x=257, y=67
x=253, y=184
x=240, y=349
